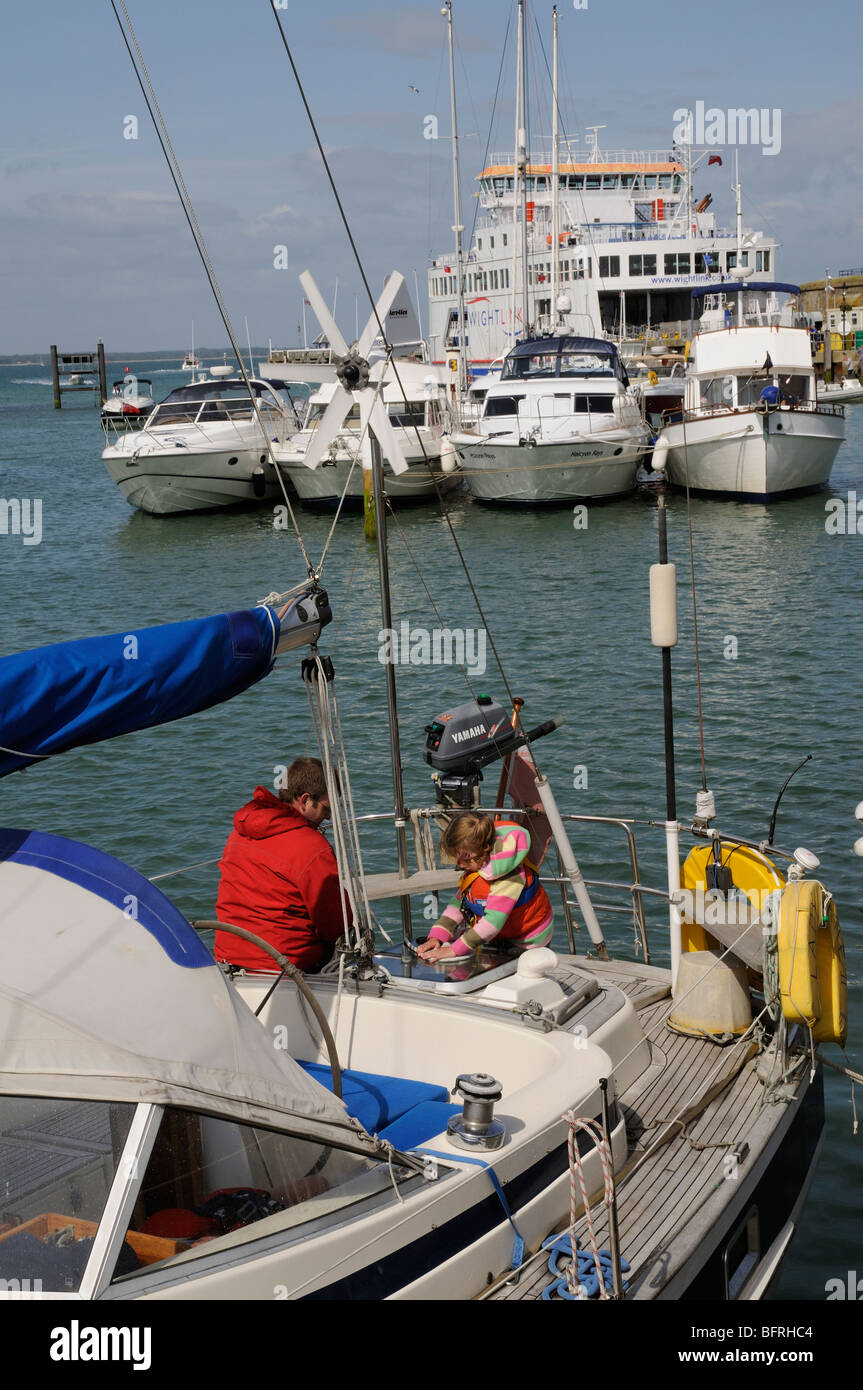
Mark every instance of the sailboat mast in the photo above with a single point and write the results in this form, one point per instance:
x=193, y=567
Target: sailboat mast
x=392, y=706
x=521, y=157
x=555, y=179
x=458, y=227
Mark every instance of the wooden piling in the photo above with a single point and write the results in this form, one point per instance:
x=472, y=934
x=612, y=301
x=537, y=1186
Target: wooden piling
x=55, y=377
x=103, y=385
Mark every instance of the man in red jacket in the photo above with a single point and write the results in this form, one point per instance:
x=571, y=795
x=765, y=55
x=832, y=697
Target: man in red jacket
x=279, y=875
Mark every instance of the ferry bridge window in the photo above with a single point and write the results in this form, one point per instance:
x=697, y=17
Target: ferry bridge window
x=762, y=260
x=501, y=405
x=498, y=185
x=627, y=180
x=594, y=181
x=576, y=180
x=677, y=183
x=510, y=184
x=609, y=266
x=609, y=180
x=542, y=181
x=664, y=180
x=649, y=180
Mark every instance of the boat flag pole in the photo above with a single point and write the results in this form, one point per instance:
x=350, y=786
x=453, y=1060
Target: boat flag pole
x=663, y=634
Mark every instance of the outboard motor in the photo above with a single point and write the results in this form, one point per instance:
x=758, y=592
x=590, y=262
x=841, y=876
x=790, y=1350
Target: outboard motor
x=461, y=741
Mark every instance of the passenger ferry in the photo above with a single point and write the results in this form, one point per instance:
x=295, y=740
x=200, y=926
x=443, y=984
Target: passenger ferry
x=633, y=244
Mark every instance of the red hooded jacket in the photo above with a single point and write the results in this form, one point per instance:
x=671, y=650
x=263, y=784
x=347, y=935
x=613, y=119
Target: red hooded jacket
x=279, y=880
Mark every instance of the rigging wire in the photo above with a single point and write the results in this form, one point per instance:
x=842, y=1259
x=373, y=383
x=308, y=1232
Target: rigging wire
x=173, y=163
x=443, y=508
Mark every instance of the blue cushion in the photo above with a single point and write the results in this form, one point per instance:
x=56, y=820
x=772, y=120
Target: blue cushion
x=376, y=1101
x=418, y=1125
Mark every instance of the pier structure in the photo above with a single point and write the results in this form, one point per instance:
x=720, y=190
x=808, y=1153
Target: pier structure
x=79, y=364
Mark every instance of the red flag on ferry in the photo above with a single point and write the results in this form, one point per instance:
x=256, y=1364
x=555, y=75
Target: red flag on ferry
x=524, y=795
x=714, y=159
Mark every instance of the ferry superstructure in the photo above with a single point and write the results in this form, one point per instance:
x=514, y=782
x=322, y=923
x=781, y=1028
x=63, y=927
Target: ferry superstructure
x=633, y=244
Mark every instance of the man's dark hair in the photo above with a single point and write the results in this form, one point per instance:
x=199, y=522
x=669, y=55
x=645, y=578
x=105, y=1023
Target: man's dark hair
x=305, y=776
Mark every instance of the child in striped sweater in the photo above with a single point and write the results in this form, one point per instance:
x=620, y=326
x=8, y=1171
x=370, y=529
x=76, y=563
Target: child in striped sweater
x=499, y=898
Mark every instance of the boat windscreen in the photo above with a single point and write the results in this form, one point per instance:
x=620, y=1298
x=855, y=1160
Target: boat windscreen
x=58, y=1159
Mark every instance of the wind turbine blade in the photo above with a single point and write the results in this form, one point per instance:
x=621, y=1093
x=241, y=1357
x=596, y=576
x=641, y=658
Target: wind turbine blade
x=391, y=449
x=384, y=304
x=330, y=424
x=322, y=314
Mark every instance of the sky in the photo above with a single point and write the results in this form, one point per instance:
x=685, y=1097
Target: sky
x=93, y=241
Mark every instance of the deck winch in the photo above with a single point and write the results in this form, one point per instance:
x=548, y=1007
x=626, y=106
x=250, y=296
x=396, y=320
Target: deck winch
x=461, y=741
x=476, y=1127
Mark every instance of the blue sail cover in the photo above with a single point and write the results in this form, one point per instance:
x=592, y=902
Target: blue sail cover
x=63, y=696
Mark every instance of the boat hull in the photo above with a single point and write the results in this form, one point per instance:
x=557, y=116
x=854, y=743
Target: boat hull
x=191, y=481
x=754, y=456
x=552, y=474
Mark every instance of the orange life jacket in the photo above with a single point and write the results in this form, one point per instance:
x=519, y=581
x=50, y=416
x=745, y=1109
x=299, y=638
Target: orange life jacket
x=532, y=909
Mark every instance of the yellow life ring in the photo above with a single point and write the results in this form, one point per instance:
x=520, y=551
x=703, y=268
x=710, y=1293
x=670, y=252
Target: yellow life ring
x=813, y=984
x=652, y=378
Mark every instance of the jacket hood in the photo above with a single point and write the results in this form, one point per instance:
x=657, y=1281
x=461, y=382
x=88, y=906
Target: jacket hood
x=511, y=847
x=266, y=815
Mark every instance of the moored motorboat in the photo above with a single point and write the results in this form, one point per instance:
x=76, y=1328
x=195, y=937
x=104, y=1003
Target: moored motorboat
x=418, y=411
x=204, y=446
x=752, y=426
x=561, y=425
x=129, y=404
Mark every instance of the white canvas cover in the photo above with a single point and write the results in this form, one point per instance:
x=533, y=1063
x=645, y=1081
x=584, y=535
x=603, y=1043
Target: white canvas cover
x=107, y=992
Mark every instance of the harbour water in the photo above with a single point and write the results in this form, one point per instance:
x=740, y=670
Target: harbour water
x=778, y=606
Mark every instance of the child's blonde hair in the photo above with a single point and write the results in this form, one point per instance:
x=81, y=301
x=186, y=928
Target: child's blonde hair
x=468, y=830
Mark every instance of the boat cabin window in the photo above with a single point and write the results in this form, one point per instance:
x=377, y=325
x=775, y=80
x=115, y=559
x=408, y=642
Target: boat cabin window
x=406, y=414
x=58, y=1159
x=537, y=364
x=585, y=364
x=501, y=405
x=211, y=1182
x=316, y=413
x=593, y=405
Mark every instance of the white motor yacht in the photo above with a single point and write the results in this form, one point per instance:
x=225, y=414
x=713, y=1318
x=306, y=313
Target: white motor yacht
x=415, y=398
x=561, y=425
x=752, y=426
x=204, y=446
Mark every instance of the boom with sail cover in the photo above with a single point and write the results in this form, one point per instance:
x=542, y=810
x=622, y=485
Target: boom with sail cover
x=73, y=693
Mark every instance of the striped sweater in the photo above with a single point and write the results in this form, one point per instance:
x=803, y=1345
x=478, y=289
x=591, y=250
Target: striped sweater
x=507, y=880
